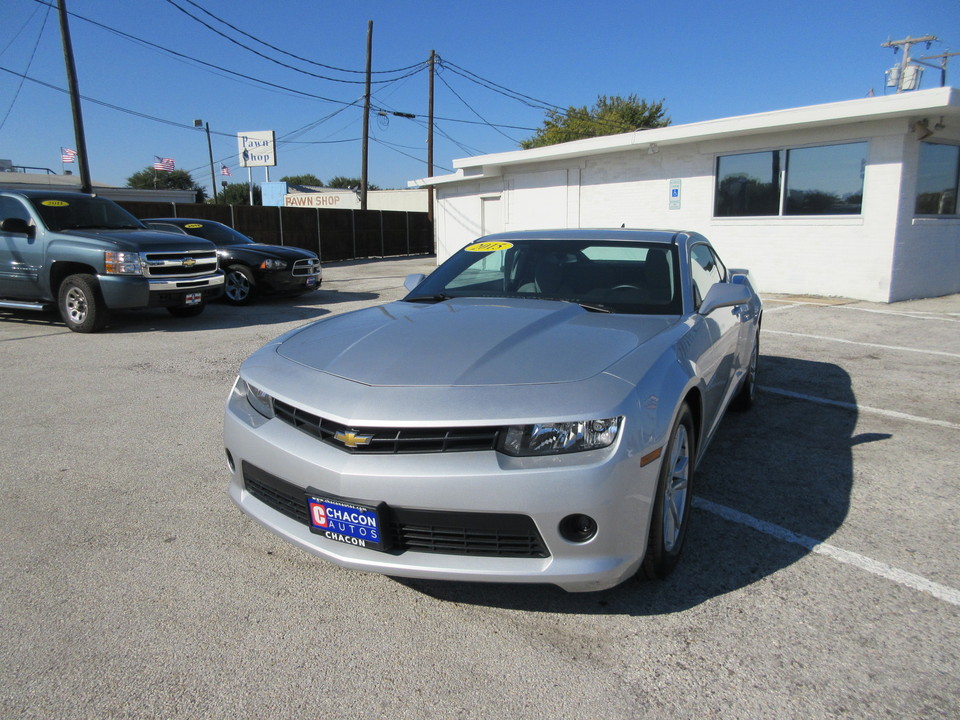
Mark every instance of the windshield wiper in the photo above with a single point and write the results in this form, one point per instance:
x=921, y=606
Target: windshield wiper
x=596, y=308
x=439, y=297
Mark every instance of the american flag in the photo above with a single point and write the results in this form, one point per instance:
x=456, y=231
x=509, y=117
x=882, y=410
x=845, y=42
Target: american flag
x=67, y=155
x=164, y=164
x=224, y=170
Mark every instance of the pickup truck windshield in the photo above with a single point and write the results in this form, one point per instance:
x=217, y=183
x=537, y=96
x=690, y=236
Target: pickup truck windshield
x=80, y=212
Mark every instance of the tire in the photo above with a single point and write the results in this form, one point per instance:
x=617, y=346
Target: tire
x=743, y=400
x=671, y=509
x=238, y=285
x=188, y=311
x=81, y=304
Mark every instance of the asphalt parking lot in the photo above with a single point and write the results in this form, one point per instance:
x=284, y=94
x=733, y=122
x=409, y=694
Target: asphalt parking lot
x=821, y=576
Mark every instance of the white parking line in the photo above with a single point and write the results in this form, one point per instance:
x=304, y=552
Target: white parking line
x=914, y=314
x=864, y=344
x=861, y=408
x=901, y=577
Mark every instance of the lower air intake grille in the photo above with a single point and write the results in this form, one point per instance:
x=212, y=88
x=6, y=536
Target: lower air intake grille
x=449, y=533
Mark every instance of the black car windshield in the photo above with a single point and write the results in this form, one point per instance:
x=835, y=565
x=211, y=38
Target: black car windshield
x=601, y=275
x=81, y=212
x=217, y=233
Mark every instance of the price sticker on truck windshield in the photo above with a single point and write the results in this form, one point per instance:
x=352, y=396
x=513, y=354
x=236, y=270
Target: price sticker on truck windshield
x=55, y=203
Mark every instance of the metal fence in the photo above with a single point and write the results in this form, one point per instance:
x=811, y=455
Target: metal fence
x=332, y=234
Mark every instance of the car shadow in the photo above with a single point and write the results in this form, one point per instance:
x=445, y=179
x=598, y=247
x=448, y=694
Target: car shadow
x=787, y=461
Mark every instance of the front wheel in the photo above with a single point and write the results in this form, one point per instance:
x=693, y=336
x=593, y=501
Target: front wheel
x=81, y=305
x=239, y=287
x=671, y=509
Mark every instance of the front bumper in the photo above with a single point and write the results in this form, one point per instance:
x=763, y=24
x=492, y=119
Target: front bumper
x=608, y=485
x=134, y=291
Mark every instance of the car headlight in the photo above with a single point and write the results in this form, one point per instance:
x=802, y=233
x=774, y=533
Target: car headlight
x=258, y=399
x=561, y=437
x=273, y=264
x=122, y=263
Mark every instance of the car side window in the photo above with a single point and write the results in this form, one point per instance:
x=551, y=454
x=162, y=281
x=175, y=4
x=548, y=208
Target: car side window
x=10, y=208
x=705, y=269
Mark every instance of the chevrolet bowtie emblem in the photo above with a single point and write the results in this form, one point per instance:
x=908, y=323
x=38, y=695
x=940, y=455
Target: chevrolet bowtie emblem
x=351, y=439
x=189, y=262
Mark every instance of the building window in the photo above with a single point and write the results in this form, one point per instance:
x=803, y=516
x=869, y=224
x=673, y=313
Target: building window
x=937, y=179
x=824, y=180
x=748, y=184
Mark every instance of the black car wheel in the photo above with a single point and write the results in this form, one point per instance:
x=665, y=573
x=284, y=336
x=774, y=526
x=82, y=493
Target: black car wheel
x=81, y=304
x=239, y=287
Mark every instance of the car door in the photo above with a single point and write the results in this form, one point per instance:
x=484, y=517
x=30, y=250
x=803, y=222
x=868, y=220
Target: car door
x=21, y=256
x=718, y=362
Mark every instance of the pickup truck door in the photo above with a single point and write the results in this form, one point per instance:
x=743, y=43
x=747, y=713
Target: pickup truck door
x=21, y=256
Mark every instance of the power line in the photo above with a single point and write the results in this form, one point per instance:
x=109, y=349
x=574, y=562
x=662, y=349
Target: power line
x=413, y=68
x=296, y=57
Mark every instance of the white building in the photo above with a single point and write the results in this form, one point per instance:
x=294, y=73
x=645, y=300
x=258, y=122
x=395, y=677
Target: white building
x=855, y=199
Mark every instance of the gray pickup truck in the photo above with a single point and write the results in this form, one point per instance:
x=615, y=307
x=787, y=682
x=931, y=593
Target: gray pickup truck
x=87, y=256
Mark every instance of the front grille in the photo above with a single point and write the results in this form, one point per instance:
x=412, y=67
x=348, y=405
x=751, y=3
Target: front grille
x=387, y=440
x=184, y=263
x=307, y=266
x=433, y=531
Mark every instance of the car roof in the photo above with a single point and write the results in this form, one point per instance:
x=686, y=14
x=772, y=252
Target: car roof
x=180, y=220
x=45, y=193
x=666, y=237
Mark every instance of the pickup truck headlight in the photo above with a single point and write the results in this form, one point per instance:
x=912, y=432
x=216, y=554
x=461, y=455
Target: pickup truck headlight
x=273, y=264
x=561, y=437
x=122, y=263
x=258, y=399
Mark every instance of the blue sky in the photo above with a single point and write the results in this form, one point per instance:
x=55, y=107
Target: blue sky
x=705, y=59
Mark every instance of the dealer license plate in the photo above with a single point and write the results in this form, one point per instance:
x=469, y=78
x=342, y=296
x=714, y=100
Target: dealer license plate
x=311, y=281
x=347, y=522
x=193, y=298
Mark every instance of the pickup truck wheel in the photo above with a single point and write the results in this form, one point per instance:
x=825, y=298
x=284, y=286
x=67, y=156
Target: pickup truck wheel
x=186, y=312
x=81, y=304
x=238, y=287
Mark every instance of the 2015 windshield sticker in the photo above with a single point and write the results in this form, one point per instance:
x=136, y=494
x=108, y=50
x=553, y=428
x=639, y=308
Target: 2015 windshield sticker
x=488, y=247
x=193, y=225
x=55, y=203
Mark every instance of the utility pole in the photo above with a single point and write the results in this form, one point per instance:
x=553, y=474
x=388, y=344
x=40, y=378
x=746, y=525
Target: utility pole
x=85, y=184
x=906, y=44
x=366, y=120
x=433, y=57
x=942, y=67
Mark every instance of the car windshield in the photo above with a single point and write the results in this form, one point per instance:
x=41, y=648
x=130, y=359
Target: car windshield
x=216, y=233
x=81, y=212
x=600, y=275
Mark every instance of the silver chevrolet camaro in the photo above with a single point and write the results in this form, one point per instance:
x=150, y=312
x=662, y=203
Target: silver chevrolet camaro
x=532, y=411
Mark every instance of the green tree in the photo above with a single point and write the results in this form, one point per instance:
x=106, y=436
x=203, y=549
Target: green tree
x=239, y=194
x=609, y=116
x=307, y=179
x=345, y=183
x=150, y=179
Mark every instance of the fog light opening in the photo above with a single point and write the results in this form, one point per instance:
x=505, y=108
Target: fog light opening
x=578, y=528
x=230, y=463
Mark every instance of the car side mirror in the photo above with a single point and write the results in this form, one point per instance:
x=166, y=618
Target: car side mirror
x=412, y=281
x=724, y=295
x=16, y=225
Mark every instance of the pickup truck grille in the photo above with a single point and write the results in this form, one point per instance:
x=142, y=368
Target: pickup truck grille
x=182, y=263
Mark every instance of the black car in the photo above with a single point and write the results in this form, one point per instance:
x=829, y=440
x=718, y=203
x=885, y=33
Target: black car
x=251, y=268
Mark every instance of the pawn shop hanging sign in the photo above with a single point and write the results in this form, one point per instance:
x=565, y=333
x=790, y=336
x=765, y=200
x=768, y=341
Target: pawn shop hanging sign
x=257, y=149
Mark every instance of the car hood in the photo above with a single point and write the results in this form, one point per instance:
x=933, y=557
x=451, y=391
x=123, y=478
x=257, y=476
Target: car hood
x=469, y=342
x=142, y=240
x=284, y=252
